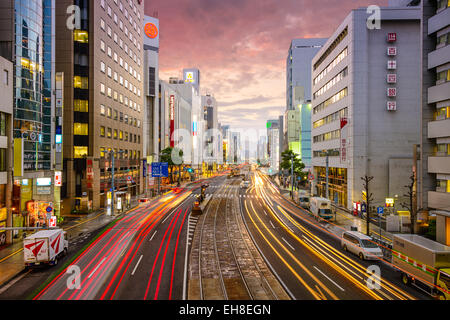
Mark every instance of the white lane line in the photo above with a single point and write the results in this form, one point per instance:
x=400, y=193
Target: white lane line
x=153, y=235
x=288, y=243
x=272, y=224
x=167, y=217
x=329, y=279
x=134, y=270
x=96, y=268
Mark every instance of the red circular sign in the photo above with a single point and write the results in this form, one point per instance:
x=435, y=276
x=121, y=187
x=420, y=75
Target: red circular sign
x=151, y=30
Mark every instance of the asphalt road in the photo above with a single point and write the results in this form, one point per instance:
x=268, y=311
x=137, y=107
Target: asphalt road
x=144, y=255
x=307, y=258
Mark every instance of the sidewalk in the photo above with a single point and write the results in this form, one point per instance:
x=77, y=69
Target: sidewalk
x=11, y=257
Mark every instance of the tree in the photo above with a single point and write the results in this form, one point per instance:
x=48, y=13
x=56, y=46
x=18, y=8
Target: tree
x=286, y=164
x=174, y=157
x=410, y=194
x=286, y=157
x=369, y=198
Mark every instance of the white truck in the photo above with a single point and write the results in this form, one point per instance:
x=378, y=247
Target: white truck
x=423, y=263
x=45, y=247
x=320, y=208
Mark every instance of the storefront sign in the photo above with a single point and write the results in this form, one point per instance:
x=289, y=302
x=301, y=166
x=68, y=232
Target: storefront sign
x=44, y=190
x=172, y=119
x=58, y=178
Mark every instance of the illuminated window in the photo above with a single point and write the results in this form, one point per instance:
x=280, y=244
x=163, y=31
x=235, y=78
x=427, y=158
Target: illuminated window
x=102, y=131
x=80, y=152
x=109, y=132
x=80, y=82
x=80, y=129
x=115, y=134
x=102, y=152
x=102, y=110
x=81, y=36
x=81, y=105
x=121, y=135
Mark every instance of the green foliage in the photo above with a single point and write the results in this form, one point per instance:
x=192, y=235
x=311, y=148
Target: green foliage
x=166, y=155
x=431, y=233
x=286, y=157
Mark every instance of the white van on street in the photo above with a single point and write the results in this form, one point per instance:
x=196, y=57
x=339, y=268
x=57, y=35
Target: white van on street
x=361, y=245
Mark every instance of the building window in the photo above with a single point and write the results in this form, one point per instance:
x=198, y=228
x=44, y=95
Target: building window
x=116, y=115
x=115, y=134
x=5, y=77
x=80, y=152
x=80, y=129
x=80, y=82
x=102, y=88
x=81, y=36
x=102, y=110
x=109, y=113
x=443, y=76
x=102, y=131
x=109, y=133
x=2, y=124
x=102, y=152
x=2, y=160
x=121, y=135
x=81, y=105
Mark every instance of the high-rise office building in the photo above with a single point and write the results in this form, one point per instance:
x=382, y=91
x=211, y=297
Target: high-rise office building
x=433, y=166
x=102, y=61
x=365, y=106
x=298, y=70
x=28, y=40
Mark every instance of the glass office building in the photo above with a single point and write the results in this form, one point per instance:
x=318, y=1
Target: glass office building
x=33, y=72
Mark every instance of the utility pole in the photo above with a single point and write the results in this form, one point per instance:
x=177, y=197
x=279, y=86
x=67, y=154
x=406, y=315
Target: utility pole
x=292, y=176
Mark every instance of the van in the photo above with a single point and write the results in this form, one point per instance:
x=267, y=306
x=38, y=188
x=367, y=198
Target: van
x=303, y=200
x=361, y=245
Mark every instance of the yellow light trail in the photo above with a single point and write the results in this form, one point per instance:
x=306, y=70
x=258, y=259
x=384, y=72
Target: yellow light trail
x=386, y=285
x=294, y=257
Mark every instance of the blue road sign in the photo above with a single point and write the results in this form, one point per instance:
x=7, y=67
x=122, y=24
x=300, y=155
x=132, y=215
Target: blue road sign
x=363, y=207
x=380, y=210
x=160, y=169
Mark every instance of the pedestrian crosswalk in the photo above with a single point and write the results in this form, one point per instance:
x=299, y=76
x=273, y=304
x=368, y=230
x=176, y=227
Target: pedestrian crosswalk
x=192, y=223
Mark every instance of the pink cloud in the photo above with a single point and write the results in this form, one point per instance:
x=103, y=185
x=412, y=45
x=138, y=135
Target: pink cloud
x=240, y=46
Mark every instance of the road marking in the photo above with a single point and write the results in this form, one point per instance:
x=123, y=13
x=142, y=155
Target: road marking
x=271, y=224
x=96, y=268
x=167, y=217
x=288, y=243
x=329, y=278
x=153, y=235
x=134, y=270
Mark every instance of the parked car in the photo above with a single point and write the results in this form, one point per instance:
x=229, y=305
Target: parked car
x=361, y=245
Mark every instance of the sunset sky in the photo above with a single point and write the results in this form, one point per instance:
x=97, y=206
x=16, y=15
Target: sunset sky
x=241, y=46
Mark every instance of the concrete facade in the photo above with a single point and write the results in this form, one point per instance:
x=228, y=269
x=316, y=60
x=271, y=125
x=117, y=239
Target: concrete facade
x=103, y=101
x=298, y=70
x=349, y=81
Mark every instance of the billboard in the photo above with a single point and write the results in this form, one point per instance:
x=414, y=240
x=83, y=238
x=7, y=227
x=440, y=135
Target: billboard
x=151, y=32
